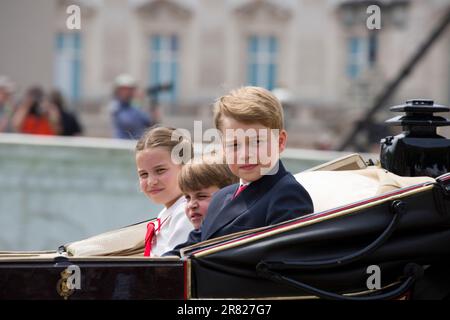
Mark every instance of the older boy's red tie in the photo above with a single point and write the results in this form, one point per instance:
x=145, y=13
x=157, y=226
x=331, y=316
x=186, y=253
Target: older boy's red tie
x=151, y=228
x=239, y=190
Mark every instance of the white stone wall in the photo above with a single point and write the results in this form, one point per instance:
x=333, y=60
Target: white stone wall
x=57, y=190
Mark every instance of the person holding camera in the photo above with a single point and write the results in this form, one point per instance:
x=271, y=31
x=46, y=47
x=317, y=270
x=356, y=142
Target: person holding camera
x=36, y=115
x=128, y=120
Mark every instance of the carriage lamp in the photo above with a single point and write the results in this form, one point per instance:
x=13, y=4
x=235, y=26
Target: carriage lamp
x=418, y=150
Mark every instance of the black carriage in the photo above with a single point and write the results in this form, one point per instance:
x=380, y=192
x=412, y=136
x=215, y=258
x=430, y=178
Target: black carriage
x=375, y=235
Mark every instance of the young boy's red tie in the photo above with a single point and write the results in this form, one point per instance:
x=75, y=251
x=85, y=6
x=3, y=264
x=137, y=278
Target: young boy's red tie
x=240, y=189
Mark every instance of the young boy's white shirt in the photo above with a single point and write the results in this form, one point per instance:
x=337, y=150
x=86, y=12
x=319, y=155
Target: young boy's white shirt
x=175, y=228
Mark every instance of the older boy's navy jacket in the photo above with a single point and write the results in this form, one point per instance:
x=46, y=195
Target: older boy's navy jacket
x=269, y=200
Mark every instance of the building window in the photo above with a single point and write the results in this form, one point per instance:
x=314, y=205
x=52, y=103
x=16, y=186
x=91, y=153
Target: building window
x=262, y=67
x=362, y=55
x=164, y=66
x=67, y=71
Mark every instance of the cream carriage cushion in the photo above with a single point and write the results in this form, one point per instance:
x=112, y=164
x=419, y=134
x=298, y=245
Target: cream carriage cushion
x=332, y=189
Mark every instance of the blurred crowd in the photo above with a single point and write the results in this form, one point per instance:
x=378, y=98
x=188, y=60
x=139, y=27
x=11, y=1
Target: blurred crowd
x=46, y=113
x=36, y=112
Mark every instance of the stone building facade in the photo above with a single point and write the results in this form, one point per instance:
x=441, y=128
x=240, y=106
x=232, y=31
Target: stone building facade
x=318, y=51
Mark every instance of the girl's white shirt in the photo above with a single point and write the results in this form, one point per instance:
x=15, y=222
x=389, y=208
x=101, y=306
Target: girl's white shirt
x=174, y=230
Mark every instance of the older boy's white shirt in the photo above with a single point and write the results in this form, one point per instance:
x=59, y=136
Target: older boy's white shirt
x=242, y=183
x=175, y=228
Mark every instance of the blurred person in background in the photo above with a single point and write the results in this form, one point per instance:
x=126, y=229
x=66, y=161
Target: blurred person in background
x=36, y=115
x=6, y=91
x=69, y=124
x=129, y=121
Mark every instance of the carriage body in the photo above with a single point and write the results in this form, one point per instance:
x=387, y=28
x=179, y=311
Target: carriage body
x=399, y=225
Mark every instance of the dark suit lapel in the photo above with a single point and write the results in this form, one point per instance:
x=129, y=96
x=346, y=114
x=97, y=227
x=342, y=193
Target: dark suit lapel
x=229, y=211
x=233, y=208
x=212, y=217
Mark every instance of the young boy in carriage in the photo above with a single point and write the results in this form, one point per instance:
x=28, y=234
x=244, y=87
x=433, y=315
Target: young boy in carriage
x=199, y=182
x=250, y=120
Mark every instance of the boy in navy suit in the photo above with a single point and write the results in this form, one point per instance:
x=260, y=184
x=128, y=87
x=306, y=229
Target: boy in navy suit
x=250, y=120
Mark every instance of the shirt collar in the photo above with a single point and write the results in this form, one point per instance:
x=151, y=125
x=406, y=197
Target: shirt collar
x=242, y=183
x=166, y=212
